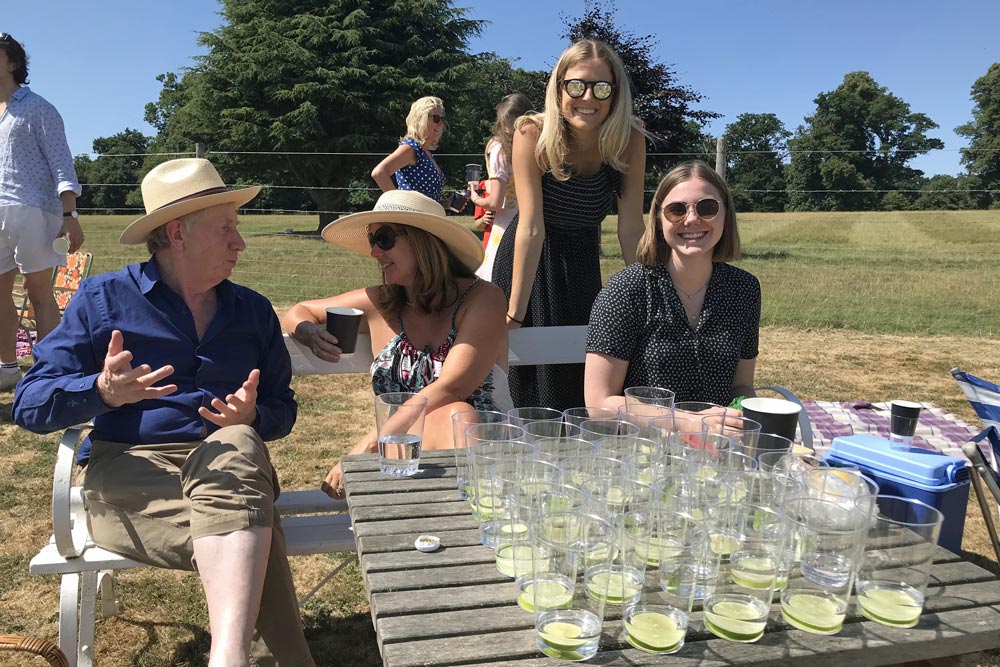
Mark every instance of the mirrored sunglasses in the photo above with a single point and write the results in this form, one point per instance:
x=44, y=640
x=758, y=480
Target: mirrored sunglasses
x=677, y=211
x=384, y=237
x=576, y=88
x=437, y=118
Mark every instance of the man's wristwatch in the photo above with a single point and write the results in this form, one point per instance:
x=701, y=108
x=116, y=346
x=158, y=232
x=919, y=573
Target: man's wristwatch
x=71, y=214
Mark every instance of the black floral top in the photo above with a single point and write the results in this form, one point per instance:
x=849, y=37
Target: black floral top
x=638, y=317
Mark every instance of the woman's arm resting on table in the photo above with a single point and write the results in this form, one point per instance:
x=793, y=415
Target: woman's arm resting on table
x=604, y=381
x=382, y=173
x=630, y=224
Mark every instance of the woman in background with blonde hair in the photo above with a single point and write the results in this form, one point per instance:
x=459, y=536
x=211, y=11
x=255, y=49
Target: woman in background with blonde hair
x=571, y=163
x=412, y=163
x=499, y=196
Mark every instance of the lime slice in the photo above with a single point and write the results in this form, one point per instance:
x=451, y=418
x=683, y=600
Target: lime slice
x=562, y=636
x=723, y=544
x=755, y=573
x=812, y=613
x=890, y=607
x=550, y=595
x=735, y=621
x=653, y=632
x=617, y=585
x=514, y=529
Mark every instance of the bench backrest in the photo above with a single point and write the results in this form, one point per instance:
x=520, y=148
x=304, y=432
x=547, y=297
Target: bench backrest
x=529, y=346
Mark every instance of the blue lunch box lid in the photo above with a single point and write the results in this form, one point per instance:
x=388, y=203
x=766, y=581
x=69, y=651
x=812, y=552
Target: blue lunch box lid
x=922, y=467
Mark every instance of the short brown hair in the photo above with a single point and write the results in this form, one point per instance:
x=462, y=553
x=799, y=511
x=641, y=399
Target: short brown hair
x=437, y=269
x=653, y=248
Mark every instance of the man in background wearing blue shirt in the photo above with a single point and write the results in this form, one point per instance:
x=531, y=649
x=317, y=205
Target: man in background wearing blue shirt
x=185, y=375
x=38, y=190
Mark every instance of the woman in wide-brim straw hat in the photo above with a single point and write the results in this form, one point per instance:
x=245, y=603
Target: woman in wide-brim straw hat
x=435, y=327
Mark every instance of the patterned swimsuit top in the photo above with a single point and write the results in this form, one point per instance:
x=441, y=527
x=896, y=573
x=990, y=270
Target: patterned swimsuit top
x=400, y=366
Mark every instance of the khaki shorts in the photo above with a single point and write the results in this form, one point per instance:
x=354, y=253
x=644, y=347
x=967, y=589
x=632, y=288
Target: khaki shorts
x=26, y=235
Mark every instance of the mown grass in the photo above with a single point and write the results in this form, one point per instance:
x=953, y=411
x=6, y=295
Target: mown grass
x=856, y=306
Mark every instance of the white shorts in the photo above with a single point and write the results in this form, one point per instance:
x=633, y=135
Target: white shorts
x=26, y=236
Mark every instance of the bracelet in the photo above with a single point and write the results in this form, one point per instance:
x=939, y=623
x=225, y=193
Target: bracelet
x=514, y=319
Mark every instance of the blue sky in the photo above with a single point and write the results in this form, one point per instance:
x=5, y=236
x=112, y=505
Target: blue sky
x=97, y=60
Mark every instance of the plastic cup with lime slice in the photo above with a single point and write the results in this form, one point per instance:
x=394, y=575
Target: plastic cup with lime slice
x=813, y=612
x=654, y=628
x=891, y=606
x=738, y=620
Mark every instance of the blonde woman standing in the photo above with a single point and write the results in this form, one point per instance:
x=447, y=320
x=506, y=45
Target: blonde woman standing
x=499, y=196
x=571, y=164
x=412, y=163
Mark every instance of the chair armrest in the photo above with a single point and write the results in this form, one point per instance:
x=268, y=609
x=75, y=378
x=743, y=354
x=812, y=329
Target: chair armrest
x=805, y=426
x=69, y=523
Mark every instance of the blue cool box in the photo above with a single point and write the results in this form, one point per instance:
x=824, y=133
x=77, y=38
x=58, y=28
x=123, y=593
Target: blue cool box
x=938, y=480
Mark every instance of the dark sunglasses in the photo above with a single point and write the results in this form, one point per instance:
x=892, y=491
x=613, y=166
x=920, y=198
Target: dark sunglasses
x=576, y=88
x=677, y=211
x=384, y=237
x=437, y=118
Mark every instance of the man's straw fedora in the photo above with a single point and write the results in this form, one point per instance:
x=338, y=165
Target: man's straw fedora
x=406, y=207
x=179, y=187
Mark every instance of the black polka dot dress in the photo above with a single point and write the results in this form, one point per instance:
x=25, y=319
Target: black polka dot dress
x=567, y=281
x=638, y=317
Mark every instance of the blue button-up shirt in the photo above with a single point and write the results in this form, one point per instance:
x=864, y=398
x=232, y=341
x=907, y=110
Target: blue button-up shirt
x=158, y=329
x=35, y=162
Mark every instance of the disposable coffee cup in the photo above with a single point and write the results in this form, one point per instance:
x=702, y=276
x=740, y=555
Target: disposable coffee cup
x=903, y=419
x=343, y=323
x=473, y=172
x=775, y=415
x=60, y=245
x=457, y=202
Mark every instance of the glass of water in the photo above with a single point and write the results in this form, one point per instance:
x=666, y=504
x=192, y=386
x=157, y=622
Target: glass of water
x=399, y=420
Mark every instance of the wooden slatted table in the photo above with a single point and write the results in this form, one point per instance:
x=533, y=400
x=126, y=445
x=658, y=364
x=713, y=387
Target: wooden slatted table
x=452, y=607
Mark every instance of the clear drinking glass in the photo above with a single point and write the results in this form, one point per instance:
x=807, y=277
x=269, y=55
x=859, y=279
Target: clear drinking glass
x=399, y=422
x=572, y=580
x=649, y=396
x=826, y=541
x=641, y=414
x=899, y=550
x=577, y=415
x=460, y=421
x=528, y=474
x=521, y=416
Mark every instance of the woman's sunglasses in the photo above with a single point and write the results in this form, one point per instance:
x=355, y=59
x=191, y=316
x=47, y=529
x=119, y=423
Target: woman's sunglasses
x=576, y=88
x=437, y=118
x=706, y=209
x=384, y=237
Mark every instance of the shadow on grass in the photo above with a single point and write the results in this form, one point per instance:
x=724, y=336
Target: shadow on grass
x=345, y=640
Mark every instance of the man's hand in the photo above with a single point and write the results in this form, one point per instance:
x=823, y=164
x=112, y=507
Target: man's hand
x=120, y=384
x=238, y=408
x=72, y=230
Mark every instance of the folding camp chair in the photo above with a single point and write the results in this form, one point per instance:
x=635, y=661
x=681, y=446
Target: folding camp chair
x=65, y=282
x=985, y=400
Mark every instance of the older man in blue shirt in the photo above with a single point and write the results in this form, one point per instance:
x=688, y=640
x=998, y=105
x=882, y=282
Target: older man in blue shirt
x=38, y=190
x=185, y=375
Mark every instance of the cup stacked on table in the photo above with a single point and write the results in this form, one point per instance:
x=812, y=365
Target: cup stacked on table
x=659, y=510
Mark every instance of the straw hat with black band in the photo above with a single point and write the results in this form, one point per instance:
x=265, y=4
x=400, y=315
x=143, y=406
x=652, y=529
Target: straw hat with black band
x=406, y=207
x=179, y=187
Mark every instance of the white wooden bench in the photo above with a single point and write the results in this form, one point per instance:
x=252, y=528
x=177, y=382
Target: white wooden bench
x=313, y=522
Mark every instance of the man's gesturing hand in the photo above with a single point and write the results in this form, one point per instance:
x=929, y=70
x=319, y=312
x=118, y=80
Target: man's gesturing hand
x=120, y=384
x=239, y=408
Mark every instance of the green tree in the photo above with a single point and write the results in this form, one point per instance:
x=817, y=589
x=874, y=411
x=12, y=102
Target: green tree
x=756, y=149
x=856, y=147
x=306, y=82
x=982, y=157
x=663, y=104
x=110, y=178
x=950, y=193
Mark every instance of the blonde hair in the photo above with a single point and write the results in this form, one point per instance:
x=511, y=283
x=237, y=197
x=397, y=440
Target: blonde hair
x=653, y=248
x=552, y=148
x=509, y=109
x=416, y=120
x=438, y=269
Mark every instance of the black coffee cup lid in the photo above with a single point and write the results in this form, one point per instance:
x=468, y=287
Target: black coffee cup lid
x=905, y=408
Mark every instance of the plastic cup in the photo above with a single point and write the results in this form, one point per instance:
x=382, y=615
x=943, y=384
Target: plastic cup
x=649, y=396
x=828, y=541
x=521, y=416
x=60, y=245
x=899, y=551
x=576, y=416
x=343, y=323
x=903, y=419
x=573, y=582
x=461, y=421
x=399, y=422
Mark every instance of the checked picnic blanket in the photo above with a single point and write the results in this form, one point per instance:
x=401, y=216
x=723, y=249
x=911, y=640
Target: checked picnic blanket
x=937, y=430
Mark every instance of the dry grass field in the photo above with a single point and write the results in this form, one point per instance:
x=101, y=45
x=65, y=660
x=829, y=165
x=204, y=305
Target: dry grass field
x=906, y=338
